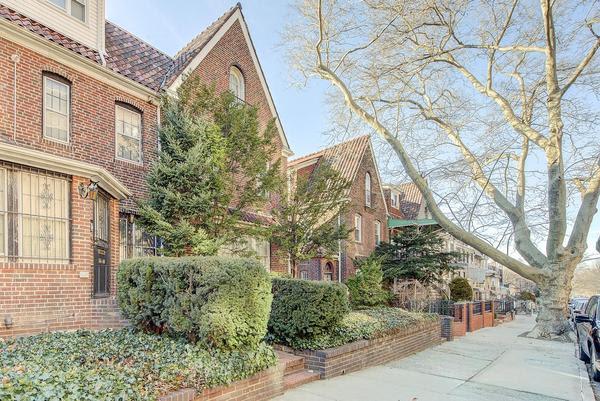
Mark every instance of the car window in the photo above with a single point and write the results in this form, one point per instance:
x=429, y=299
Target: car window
x=591, y=308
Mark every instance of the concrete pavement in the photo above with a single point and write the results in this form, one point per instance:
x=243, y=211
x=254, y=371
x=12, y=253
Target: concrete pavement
x=492, y=364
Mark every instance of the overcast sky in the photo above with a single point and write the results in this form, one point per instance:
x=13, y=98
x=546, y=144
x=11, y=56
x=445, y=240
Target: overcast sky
x=169, y=25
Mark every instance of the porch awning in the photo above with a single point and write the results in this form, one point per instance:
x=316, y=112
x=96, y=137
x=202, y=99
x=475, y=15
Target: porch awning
x=397, y=223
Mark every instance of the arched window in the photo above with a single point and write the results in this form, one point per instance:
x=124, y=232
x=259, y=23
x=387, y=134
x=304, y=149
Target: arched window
x=328, y=273
x=368, y=189
x=236, y=83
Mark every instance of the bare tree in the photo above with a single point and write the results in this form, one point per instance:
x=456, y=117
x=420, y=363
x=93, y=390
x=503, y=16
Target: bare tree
x=499, y=100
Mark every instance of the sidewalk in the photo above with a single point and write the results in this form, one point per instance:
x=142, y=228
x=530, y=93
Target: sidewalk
x=492, y=364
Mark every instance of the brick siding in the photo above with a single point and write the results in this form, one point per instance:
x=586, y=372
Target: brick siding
x=262, y=386
x=361, y=354
x=44, y=297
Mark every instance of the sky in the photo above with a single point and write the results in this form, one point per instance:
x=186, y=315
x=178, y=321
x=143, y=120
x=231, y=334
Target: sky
x=169, y=25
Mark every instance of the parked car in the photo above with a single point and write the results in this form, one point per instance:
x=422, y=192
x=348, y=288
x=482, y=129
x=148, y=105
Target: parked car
x=588, y=338
x=576, y=306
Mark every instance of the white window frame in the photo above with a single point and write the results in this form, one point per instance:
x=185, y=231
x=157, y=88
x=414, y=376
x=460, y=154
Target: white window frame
x=303, y=275
x=236, y=73
x=67, y=9
x=357, y=228
x=45, y=111
x=377, y=226
x=368, y=191
x=124, y=159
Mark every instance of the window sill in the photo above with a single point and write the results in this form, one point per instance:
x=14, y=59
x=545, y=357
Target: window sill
x=52, y=141
x=129, y=162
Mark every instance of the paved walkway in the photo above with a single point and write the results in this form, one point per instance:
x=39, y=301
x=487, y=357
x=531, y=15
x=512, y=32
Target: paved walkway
x=492, y=364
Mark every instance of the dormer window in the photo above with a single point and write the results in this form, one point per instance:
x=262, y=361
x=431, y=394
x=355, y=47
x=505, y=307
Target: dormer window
x=75, y=8
x=394, y=200
x=368, y=189
x=236, y=83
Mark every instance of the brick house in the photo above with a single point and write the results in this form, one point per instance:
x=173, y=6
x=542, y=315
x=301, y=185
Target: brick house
x=79, y=113
x=366, y=211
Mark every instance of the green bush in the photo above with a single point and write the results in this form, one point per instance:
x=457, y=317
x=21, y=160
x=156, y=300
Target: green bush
x=460, y=289
x=366, y=287
x=365, y=324
x=223, y=302
x=112, y=365
x=305, y=309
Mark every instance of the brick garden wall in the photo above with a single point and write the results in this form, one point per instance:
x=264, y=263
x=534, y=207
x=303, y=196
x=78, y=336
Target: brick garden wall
x=361, y=354
x=262, y=386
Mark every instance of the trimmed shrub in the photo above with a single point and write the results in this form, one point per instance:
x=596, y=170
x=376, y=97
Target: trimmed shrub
x=366, y=287
x=306, y=309
x=221, y=301
x=460, y=289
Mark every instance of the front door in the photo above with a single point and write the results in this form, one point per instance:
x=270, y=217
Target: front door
x=101, y=246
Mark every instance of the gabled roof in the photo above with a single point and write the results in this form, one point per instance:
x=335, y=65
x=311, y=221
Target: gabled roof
x=410, y=199
x=135, y=59
x=345, y=157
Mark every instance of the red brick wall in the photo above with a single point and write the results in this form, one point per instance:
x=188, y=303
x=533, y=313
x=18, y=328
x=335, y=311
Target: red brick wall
x=361, y=354
x=262, y=386
x=394, y=211
x=351, y=248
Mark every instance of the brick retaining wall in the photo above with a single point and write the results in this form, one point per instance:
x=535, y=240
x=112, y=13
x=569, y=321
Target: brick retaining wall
x=361, y=354
x=262, y=386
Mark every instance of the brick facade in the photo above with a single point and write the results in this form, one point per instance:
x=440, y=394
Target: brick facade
x=42, y=297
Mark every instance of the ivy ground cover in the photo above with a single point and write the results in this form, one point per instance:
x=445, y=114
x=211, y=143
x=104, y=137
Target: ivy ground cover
x=122, y=364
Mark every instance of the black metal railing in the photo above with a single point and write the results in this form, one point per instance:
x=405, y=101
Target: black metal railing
x=477, y=308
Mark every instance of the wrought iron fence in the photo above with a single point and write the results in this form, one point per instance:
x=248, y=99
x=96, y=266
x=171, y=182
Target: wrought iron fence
x=439, y=306
x=477, y=308
x=504, y=306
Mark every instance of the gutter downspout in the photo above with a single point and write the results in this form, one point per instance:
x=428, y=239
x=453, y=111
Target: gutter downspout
x=339, y=252
x=15, y=58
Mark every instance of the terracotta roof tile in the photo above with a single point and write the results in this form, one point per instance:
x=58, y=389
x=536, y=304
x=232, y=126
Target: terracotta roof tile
x=410, y=199
x=132, y=57
x=126, y=54
x=344, y=157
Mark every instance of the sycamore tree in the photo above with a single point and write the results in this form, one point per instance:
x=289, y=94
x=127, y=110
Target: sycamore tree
x=491, y=108
x=213, y=166
x=306, y=221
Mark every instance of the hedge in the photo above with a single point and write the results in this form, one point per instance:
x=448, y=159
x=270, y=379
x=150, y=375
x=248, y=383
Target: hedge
x=221, y=301
x=304, y=309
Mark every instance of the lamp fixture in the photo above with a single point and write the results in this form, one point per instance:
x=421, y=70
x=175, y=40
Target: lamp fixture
x=88, y=191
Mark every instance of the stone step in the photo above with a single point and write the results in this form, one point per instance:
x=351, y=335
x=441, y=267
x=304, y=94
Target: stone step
x=299, y=378
x=292, y=363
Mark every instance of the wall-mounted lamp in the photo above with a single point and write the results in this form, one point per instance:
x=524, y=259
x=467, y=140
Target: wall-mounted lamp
x=8, y=321
x=88, y=191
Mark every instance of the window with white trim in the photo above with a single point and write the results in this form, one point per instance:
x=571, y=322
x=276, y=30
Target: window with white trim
x=377, y=232
x=394, y=197
x=34, y=216
x=304, y=275
x=128, y=127
x=134, y=241
x=368, y=189
x=357, y=228
x=75, y=8
x=57, y=108
x=236, y=83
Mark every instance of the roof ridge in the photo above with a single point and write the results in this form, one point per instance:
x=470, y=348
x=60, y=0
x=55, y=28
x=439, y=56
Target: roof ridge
x=138, y=38
x=188, y=46
x=329, y=148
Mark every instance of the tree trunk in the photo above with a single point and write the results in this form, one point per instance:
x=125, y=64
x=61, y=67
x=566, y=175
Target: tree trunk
x=555, y=290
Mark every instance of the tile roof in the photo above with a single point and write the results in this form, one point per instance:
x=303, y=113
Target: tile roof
x=126, y=54
x=130, y=56
x=410, y=199
x=344, y=157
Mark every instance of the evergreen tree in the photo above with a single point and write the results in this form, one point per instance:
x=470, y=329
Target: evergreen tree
x=460, y=289
x=415, y=254
x=366, y=286
x=306, y=221
x=213, y=166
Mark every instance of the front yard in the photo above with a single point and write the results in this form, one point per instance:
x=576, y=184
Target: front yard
x=123, y=364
